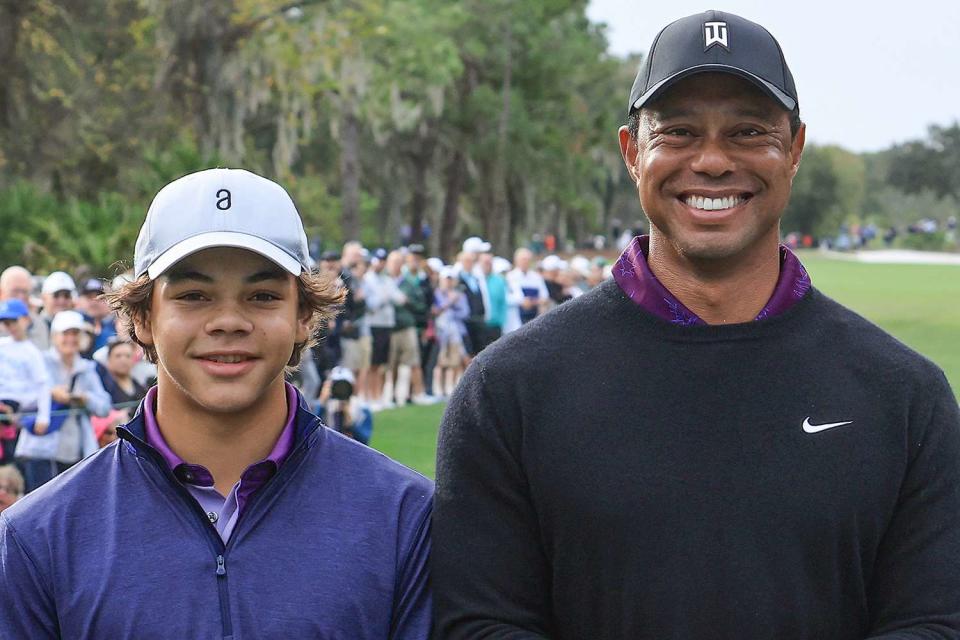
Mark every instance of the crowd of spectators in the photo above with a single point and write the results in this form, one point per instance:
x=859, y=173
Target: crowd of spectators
x=411, y=324
x=409, y=327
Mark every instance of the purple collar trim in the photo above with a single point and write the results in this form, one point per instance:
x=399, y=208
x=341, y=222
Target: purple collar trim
x=640, y=285
x=199, y=475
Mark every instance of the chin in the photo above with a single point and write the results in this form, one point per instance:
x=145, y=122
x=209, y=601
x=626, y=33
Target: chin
x=226, y=400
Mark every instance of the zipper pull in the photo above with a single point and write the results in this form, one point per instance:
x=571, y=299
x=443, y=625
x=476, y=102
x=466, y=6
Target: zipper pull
x=221, y=566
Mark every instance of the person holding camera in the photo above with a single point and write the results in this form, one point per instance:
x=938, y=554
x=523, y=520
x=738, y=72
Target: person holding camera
x=46, y=451
x=343, y=409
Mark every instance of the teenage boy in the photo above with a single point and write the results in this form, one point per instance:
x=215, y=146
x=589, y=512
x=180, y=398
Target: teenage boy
x=226, y=509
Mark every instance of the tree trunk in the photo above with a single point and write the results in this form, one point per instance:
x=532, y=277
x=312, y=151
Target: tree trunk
x=11, y=70
x=421, y=162
x=499, y=222
x=456, y=172
x=350, y=174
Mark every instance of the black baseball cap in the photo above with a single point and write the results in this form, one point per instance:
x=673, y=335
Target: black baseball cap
x=329, y=256
x=92, y=285
x=714, y=41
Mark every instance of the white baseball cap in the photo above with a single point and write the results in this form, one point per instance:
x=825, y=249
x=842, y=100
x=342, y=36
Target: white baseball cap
x=59, y=281
x=435, y=264
x=221, y=208
x=342, y=373
x=474, y=244
x=551, y=263
x=66, y=320
x=501, y=265
x=448, y=272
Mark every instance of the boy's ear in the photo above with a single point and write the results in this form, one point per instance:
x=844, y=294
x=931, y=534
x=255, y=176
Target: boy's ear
x=143, y=329
x=304, y=323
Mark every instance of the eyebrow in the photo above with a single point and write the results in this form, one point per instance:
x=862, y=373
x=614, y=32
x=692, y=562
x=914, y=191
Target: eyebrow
x=743, y=112
x=176, y=276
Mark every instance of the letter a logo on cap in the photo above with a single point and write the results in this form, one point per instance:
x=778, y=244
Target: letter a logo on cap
x=223, y=200
x=715, y=33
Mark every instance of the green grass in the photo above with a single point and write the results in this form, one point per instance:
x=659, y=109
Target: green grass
x=919, y=304
x=409, y=435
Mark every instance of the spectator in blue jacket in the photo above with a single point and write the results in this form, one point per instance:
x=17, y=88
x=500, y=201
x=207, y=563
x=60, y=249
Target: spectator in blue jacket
x=226, y=509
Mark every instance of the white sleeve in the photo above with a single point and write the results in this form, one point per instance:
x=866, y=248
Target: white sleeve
x=38, y=372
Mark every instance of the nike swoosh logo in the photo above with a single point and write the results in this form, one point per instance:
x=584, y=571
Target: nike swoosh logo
x=817, y=428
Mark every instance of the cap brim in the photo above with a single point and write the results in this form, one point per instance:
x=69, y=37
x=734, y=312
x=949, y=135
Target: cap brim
x=203, y=241
x=771, y=90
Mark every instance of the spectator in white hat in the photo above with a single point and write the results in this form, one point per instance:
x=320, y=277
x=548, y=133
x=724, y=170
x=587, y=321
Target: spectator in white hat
x=58, y=293
x=77, y=392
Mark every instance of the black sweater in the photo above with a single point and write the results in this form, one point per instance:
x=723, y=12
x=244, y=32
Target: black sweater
x=604, y=474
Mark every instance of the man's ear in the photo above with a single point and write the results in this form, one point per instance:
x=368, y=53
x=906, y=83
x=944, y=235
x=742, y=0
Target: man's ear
x=628, y=151
x=796, y=149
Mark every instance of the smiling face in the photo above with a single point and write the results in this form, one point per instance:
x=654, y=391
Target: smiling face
x=713, y=162
x=120, y=360
x=67, y=343
x=224, y=323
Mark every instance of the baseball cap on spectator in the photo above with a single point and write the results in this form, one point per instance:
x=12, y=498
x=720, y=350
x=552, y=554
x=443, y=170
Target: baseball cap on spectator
x=417, y=250
x=93, y=285
x=66, y=320
x=714, y=41
x=59, y=281
x=435, y=264
x=342, y=373
x=12, y=309
x=551, y=263
x=474, y=244
x=448, y=272
x=329, y=256
x=501, y=265
x=380, y=254
x=580, y=264
x=221, y=208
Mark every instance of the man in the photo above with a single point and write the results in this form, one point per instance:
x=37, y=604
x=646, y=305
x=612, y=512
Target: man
x=706, y=446
x=383, y=295
x=16, y=282
x=226, y=509
x=354, y=330
x=417, y=267
x=493, y=286
x=404, y=358
x=58, y=293
x=528, y=295
x=470, y=285
x=98, y=314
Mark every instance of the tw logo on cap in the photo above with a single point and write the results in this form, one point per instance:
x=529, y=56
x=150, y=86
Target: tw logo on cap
x=715, y=33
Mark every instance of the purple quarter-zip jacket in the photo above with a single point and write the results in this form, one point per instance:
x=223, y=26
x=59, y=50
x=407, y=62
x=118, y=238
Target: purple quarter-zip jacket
x=334, y=546
x=222, y=511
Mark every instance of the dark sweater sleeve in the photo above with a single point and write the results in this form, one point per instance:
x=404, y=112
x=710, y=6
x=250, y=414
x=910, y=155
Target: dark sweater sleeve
x=489, y=573
x=915, y=590
x=27, y=610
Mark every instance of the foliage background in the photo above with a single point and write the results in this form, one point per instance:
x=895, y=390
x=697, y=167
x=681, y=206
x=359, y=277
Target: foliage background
x=494, y=117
